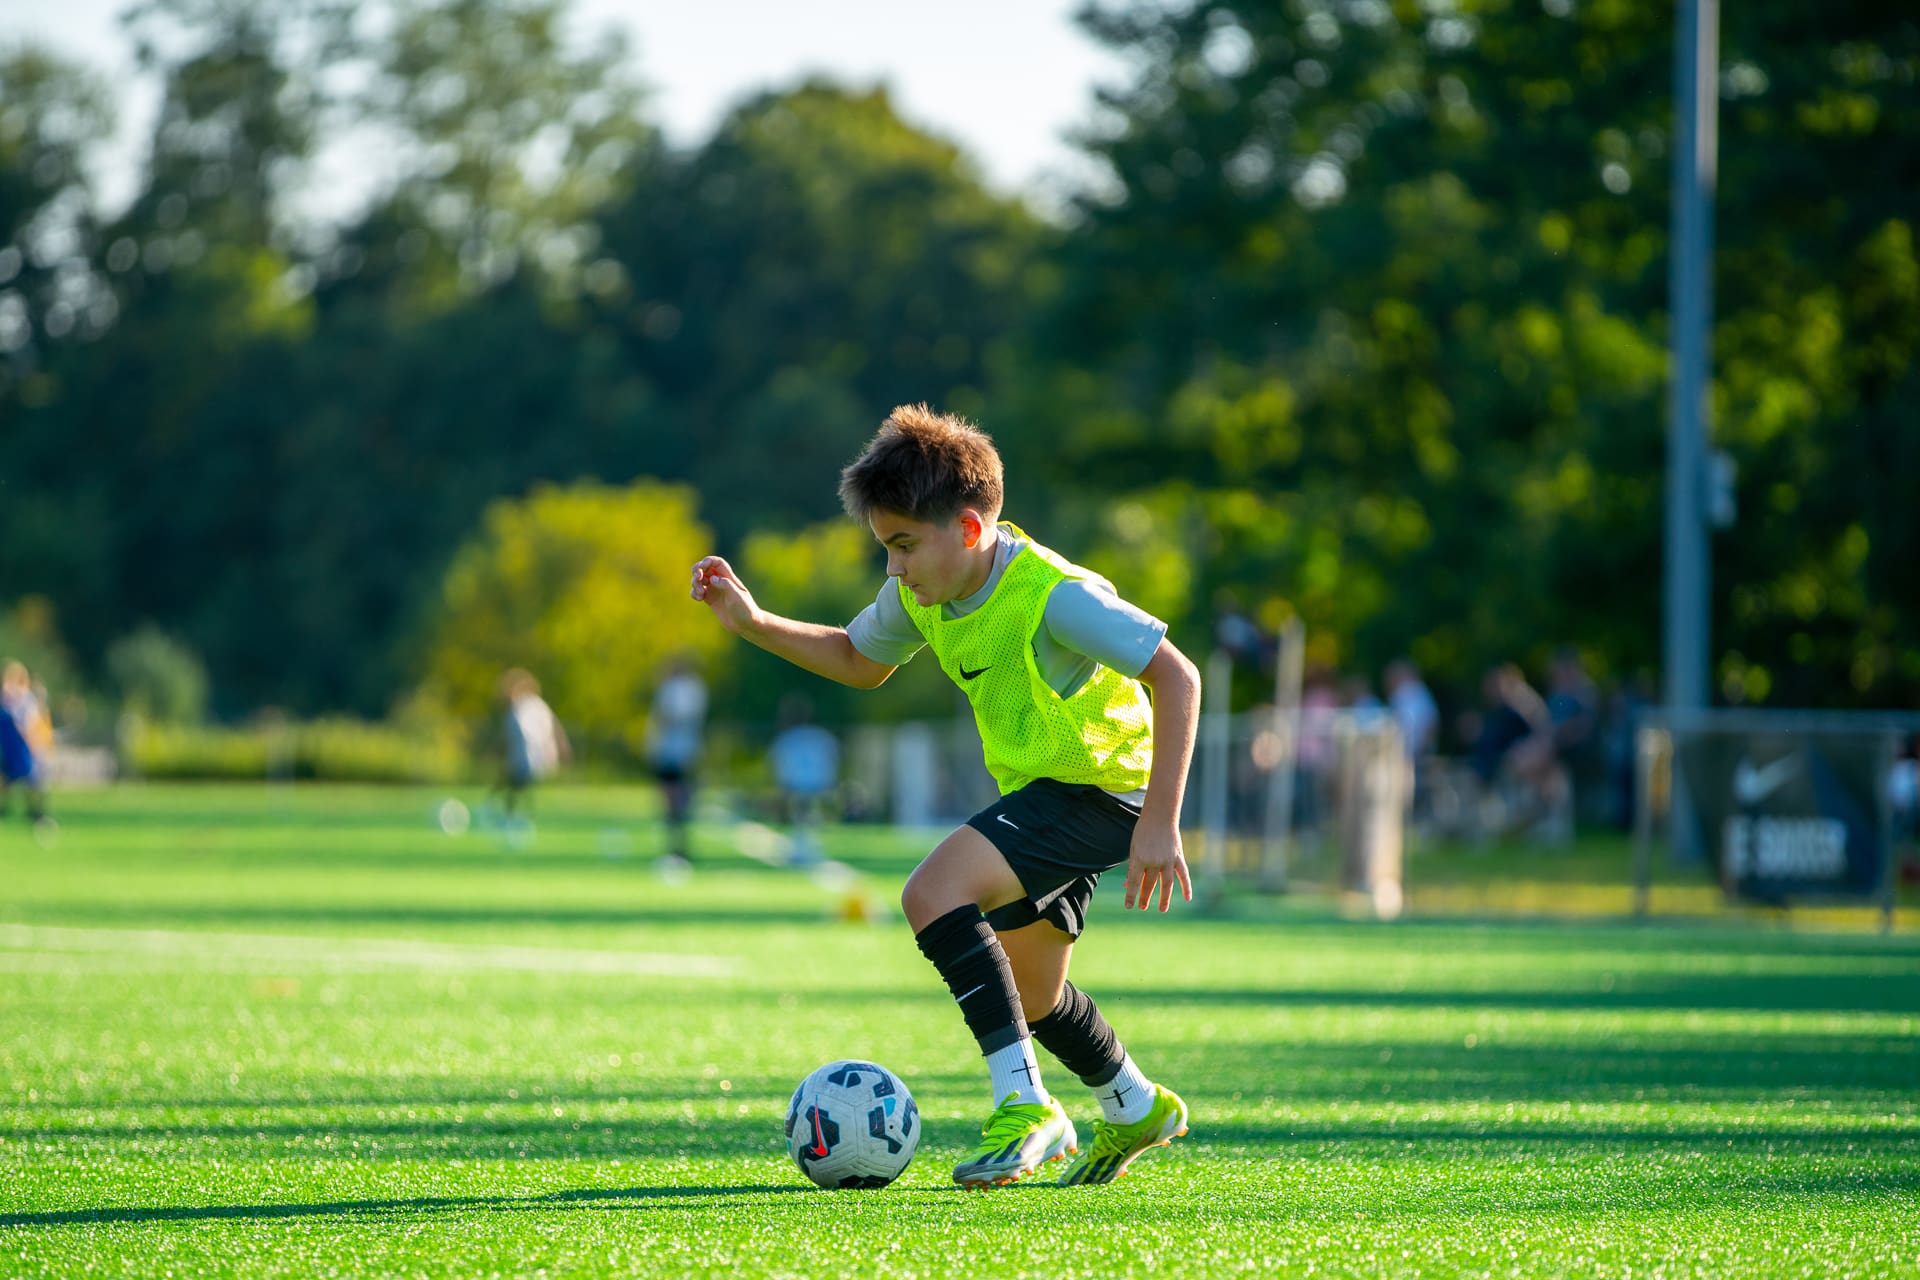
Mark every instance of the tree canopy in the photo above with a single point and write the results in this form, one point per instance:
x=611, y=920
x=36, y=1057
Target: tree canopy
x=1364, y=321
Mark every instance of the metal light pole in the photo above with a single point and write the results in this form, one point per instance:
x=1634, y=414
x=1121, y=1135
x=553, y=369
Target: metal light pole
x=1690, y=311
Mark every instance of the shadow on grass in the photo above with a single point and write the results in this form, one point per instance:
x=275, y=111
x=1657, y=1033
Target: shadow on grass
x=1766, y=1072
x=527, y=1130
x=613, y=1197
x=1809, y=1089
x=1515, y=1139
x=1496, y=934
x=1769, y=993
x=260, y=918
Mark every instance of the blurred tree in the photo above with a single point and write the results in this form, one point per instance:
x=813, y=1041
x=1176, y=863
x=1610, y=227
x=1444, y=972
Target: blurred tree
x=814, y=264
x=51, y=114
x=509, y=138
x=1365, y=321
x=156, y=451
x=30, y=634
x=1383, y=286
x=157, y=677
x=585, y=586
x=291, y=434
x=451, y=299
x=51, y=302
x=1817, y=353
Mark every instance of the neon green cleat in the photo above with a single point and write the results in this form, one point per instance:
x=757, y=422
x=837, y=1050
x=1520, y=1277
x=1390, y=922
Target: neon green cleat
x=1017, y=1140
x=1115, y=1146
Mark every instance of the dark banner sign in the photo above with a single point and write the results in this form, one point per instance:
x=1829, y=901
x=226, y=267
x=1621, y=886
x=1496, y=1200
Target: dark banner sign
x=1789, y=815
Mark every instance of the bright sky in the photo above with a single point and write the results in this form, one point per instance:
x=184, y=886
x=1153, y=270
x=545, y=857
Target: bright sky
x=1004, y=78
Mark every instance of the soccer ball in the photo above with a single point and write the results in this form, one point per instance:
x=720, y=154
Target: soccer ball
x=852, y=1124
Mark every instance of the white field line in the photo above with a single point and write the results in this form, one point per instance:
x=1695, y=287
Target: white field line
x=358, y=953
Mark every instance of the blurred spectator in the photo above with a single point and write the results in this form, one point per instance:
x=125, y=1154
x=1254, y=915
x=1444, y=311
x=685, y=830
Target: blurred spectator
x=1903, y=790
x=1413, y=709
x=674, y=731
x=1357, y=696
x=1318, y=752
x=1511, y=712
x=1514, y=752
x=26, y=736
x=535, y=745
x=806, y=766
x=1238, y=635
x=1620, y=746
x=1573, y=705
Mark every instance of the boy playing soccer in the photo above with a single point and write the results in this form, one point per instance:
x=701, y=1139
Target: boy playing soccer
x=1054, y=664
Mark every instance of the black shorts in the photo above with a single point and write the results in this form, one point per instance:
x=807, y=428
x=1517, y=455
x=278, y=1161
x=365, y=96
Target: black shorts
x=1058, y=837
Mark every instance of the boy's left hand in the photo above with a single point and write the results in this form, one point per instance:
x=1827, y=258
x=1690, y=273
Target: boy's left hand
x=1156, y=861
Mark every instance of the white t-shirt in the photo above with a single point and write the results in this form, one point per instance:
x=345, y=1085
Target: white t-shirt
x=1085, y=625
x=1418, y=717
x=679, y=714
x=533, y=745
x=806, y=760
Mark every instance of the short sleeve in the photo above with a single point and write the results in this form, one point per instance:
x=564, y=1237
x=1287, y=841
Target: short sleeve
x=1089, y=617
x=883, y=632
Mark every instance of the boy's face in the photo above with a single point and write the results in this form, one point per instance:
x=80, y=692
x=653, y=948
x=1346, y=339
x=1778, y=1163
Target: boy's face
x=939, y=561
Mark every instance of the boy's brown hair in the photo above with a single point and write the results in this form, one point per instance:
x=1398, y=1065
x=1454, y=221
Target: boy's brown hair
x=924, y=466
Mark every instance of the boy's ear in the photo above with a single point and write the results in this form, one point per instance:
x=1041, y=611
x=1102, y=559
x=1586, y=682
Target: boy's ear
x=971, y=526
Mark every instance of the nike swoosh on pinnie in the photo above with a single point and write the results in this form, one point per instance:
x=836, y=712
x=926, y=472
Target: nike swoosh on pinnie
x=968, y=675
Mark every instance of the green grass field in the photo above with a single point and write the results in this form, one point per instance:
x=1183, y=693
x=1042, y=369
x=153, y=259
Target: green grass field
x=257, y=1033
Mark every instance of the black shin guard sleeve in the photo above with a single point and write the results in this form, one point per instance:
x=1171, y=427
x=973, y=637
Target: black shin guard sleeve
x=967, y=954
x=1076, y=1034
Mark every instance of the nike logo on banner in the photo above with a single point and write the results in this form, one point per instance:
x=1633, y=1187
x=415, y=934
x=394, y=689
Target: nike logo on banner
x=1751, y=785
x=968, y=675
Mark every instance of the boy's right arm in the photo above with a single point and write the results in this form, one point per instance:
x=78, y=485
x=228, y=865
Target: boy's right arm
x=825, y=651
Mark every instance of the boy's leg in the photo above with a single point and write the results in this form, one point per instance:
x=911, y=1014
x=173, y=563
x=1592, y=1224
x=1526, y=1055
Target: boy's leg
x=1076, y=1033
x=1039, y=955
x=677, y=788
x=1135, y=1113
x=45, y=829
x=943, y=900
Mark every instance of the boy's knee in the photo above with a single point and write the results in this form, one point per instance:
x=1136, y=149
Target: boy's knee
x=917, y=903
x=927, y=896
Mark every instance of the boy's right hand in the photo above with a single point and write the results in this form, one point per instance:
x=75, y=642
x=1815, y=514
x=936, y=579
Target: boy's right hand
x=715, y=583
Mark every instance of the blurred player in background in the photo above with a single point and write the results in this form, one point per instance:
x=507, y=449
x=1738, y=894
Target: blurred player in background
x=674, y=731
x=806, y=767
x=536, y=747
x=26, y=737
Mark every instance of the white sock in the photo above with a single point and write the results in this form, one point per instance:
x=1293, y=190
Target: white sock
x=1127, y=1097
x=1014, y=1070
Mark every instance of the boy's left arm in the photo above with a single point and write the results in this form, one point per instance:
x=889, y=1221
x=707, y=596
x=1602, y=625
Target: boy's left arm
x=1157, y=860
